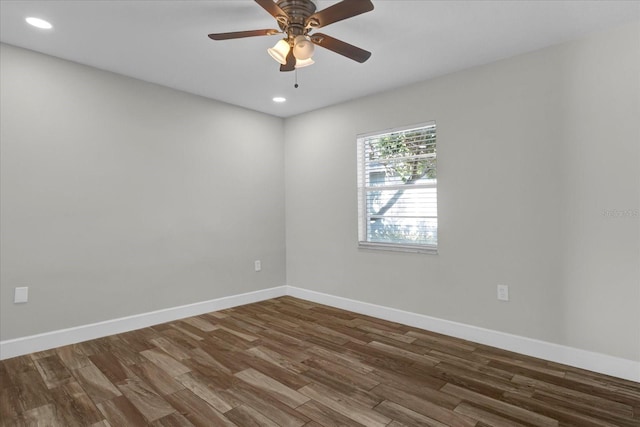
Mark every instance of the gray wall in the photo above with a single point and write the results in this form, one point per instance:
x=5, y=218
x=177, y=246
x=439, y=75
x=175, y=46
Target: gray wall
x=121, y=197
x=531, y=151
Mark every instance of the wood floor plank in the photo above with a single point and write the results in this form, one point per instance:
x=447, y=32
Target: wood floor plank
x=18, y=365
x=244, y=324
x=161, y=381
x=10, y=404
x=126, y=354
x=487, y=417
x=414, y=380
x=407, y=416
x=329, y=381
x=283, y=393
x=563, y=415
x=204, y=358
x=52, y=371
x=239, y=334
x=601, y=387
x=342, y=373
x=425, y=389
x=269, y=406
x=602, y=413
x=196, y=410
x=47, y=415
x=403, y=354
x=290, y=379
x=73, y=357
x=407, y=339
x=128, y=346
x=74, y=406
x=179, y=338
x=277, y=359
x=172, y=420
x=30, y=390
x=170, y=348
x=165, y=362
x=110, y=366
x=5, y=378
x=292, y=363
x=145, y=399
x=97, y=346
x=326, y=416
x=605, y=406
x=95, y=383
x=221, y=379
x=200, y=323
x=479, y=381
x=431, y=338
x=345, y=406
x=189, y=331
x=199, y=386
x=526, y=368
x=120, y=411
x=500, y=406
x=422, y=406
x=465, y=363
x=246, y=416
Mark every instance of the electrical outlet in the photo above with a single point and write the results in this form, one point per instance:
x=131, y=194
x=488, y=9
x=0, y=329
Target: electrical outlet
x=503, y=292
x=21, y=295
x=257, y=265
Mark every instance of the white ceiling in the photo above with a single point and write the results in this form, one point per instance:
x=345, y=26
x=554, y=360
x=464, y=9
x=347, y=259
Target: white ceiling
x=165, y=42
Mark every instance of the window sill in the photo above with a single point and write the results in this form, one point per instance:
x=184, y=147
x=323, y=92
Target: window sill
x=430, y=250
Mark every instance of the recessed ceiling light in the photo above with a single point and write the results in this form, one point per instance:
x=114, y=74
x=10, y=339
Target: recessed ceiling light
x=39, y=23
x=279, y=99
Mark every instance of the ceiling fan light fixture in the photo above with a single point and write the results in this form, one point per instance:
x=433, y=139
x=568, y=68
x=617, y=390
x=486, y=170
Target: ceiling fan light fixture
x=301, y=63
x=303, y=48
x=280, y=51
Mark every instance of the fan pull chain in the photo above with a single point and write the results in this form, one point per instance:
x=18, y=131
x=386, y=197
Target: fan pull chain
x=296, y=82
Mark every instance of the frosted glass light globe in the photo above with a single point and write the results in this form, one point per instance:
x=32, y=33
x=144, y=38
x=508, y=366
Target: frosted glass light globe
x=301, y=63
x=279, y=51
x=303, y=48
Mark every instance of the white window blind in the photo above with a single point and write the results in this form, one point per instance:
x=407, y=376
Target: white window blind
x=397, y=189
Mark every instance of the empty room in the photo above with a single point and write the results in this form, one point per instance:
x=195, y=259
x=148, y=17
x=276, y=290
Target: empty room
x=319, y=213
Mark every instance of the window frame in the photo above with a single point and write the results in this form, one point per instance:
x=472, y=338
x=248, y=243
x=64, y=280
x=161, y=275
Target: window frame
x=362, y=189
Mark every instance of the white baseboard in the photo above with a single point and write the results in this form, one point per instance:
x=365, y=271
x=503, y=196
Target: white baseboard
x=597, y=362
x=48, y=340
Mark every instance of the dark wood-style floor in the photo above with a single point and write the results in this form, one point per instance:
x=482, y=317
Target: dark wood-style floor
x=288, y=362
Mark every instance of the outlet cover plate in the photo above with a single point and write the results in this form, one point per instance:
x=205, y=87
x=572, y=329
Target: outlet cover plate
x=21, y=295
x=503, y=292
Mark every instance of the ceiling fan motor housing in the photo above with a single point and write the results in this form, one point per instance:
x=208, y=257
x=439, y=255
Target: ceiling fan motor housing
x=298, y=11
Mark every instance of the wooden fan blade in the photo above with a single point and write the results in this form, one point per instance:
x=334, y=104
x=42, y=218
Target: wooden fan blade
x=339, y=11
x=271, y=7
x=241, y=34
x=291, y=62
x=338, y=46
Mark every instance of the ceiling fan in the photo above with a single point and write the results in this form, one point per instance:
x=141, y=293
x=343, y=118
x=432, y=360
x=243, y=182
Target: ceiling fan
x=297, y=19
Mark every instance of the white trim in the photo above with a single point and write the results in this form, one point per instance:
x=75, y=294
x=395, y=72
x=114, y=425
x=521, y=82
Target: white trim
x=597, y=362
x=393, y=247
x=48, y=340
x=407, y=128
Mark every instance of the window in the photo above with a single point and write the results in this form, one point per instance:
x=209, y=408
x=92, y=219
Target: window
x=397, y=189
